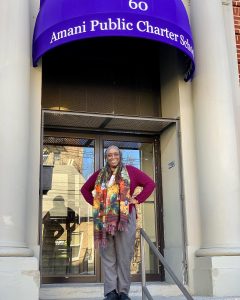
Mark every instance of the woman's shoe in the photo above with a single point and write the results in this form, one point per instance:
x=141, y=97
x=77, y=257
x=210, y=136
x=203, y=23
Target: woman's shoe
x=113, y=295
x=123, y=296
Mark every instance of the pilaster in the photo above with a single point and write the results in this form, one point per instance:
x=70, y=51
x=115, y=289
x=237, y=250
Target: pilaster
x=217, y=156
x=19, y=278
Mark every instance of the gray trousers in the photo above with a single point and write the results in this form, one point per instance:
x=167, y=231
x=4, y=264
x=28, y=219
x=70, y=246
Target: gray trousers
x=117, y=256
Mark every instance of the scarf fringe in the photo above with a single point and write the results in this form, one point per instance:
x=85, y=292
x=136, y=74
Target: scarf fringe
x=100, y=243
x=111, y=229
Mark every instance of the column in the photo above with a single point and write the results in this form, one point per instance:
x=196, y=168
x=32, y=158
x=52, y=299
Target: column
x=19, y=277
x=14, y=125
x=217, y=157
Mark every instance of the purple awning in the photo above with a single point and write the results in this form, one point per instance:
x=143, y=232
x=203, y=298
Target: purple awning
x=63, y=21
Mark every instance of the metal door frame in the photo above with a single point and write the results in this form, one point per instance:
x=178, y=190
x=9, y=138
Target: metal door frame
x=159, y=200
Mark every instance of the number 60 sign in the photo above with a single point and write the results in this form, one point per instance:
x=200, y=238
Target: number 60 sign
x=138, y=5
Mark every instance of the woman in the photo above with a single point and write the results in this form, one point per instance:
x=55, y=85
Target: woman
x=110, y=192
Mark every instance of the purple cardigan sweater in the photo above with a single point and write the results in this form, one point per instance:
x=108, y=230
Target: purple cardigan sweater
x=137, y=178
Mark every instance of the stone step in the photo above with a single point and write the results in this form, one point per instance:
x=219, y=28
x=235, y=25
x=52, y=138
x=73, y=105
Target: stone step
x=94, y=291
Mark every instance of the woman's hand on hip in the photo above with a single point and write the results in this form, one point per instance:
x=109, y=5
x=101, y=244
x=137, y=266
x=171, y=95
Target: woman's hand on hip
x=133, y=200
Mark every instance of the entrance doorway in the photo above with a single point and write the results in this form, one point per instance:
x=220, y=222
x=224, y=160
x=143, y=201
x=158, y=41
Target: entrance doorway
x=67, y=246
x=87, y=95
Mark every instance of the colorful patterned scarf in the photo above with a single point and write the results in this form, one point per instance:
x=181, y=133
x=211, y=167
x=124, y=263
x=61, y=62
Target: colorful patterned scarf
x=110, y=205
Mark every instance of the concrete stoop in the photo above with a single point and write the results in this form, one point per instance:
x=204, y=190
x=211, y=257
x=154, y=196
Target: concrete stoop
x=93, y=291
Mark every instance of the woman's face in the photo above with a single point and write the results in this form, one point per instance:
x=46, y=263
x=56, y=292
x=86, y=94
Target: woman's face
x=113, y=157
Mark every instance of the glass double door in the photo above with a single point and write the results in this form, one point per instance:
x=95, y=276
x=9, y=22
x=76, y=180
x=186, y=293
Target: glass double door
x=67, y=245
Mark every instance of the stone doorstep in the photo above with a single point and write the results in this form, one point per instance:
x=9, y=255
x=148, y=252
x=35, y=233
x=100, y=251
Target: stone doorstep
x=95, y=291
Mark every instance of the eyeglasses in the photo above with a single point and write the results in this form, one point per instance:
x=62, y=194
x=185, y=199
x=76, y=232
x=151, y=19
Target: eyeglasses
x=110, y=155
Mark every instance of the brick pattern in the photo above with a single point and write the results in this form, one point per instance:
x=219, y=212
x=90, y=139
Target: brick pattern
x=236, y=12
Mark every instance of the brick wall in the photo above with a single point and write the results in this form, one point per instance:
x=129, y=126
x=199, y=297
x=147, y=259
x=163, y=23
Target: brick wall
x=236, y=12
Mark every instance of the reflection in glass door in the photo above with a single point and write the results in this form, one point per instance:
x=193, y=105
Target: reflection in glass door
x=67, y=227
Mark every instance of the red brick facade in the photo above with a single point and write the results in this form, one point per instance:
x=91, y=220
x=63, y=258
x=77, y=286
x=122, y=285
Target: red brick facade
x=236, y=12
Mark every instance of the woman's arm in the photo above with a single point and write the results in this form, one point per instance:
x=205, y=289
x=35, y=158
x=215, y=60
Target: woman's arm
x=88, y=187
x=141, y=179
